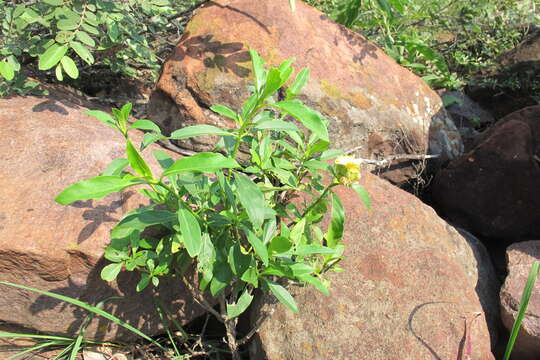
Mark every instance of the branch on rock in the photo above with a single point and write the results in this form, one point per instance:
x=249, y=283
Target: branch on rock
x=388, y=160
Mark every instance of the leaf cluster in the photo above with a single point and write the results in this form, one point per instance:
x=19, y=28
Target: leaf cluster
x=231, y=220
x=445, y=42
x=66, y=36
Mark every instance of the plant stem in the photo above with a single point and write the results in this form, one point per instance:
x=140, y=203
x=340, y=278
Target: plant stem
x=319, y=199
x=230, y=327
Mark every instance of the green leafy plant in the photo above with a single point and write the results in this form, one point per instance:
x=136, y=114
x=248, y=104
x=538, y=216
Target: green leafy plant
x=227, y=213
x=445, y=42
x=67, y=36
x=523, y=304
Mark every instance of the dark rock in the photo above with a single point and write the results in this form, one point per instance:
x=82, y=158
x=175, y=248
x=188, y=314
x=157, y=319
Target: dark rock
x=493, y=190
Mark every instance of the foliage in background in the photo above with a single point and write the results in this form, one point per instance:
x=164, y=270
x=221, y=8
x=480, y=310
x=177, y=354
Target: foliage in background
x=228, y=212
x=69, y=36
x=444, y=41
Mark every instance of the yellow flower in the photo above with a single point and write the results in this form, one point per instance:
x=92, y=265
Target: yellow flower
x=347, y=169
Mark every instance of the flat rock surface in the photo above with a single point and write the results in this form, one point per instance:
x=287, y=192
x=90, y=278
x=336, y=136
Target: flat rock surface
x=46, y=145
x=374, y=104
x=409, y=290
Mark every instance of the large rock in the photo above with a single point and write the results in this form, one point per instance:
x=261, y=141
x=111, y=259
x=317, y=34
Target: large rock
x=493, y=190
x=520, y=258
x=407, y=290
x=46, y=145
x=373, y=103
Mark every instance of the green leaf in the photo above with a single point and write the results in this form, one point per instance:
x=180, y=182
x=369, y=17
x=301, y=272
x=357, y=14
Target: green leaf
x=139, y=219
x=312, y=249
x=51, y=56
x=238, y=261
x=299, y=82
x=116, y=167
x=310, y=118
x=70, y=67
x=163, y=158
x=202, y=162
x=136, y=161
x=150, y=138
x=273, y=82
x=282, y=295
x=191, y=231
x=258, y=246
x=225, y=111
x=337, y=222
x=241, y=305
x=103, y=117
x=279, y=245
x=67, y=24
x=250, y=275
x=6, y=70
x=197, y=130
x=145, y=125
x=251, y=198
x=316, y=282
x=258, y=69
x=82, y=51
x=85, y=38
x=94, y=188
x=364, y=195
x=276, y=125
x=523, y=304
x=143, y=283
x=111, y=271
x=54, y=2
x=58, y=72
x=222, y=277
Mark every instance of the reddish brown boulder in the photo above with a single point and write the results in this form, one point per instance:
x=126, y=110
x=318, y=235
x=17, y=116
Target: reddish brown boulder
x=520, y=257
x=372, y=102
x=406, y=293
x=46, y=145
x=493, y=190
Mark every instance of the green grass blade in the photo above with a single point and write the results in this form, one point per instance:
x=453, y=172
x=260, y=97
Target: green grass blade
x=34, y=336
x=35, y=348
x=527, y=291
x=76, y=346
x=63, y=352
x=90, y=308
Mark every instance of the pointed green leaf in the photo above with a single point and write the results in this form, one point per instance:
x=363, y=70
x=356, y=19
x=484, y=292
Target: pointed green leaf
x=145, y=125
x=85, y=38
x=136, y=161
x=238, y=260
x=116, y=167
x=94, y=188
x=241, y=305
x=282, y=295
x=191, y=231
x=258, y=69
x=111, y=271
x=310, y=118
x=258, y=246
x=82, y=51
x=6, y=70
x=51, y=56
x=58, y=72
x=299, y=82
x=364, y=195
x=251, y=198
x=225, y=111
x=202, y=162
x=103, y=117
x=70, y=67
x=276, y=125
x=197, y=130
x=337, y=222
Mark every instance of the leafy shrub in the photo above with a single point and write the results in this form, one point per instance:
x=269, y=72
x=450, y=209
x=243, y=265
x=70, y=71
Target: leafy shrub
x=443, y=41
x=232, y=218
x=66, y=36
